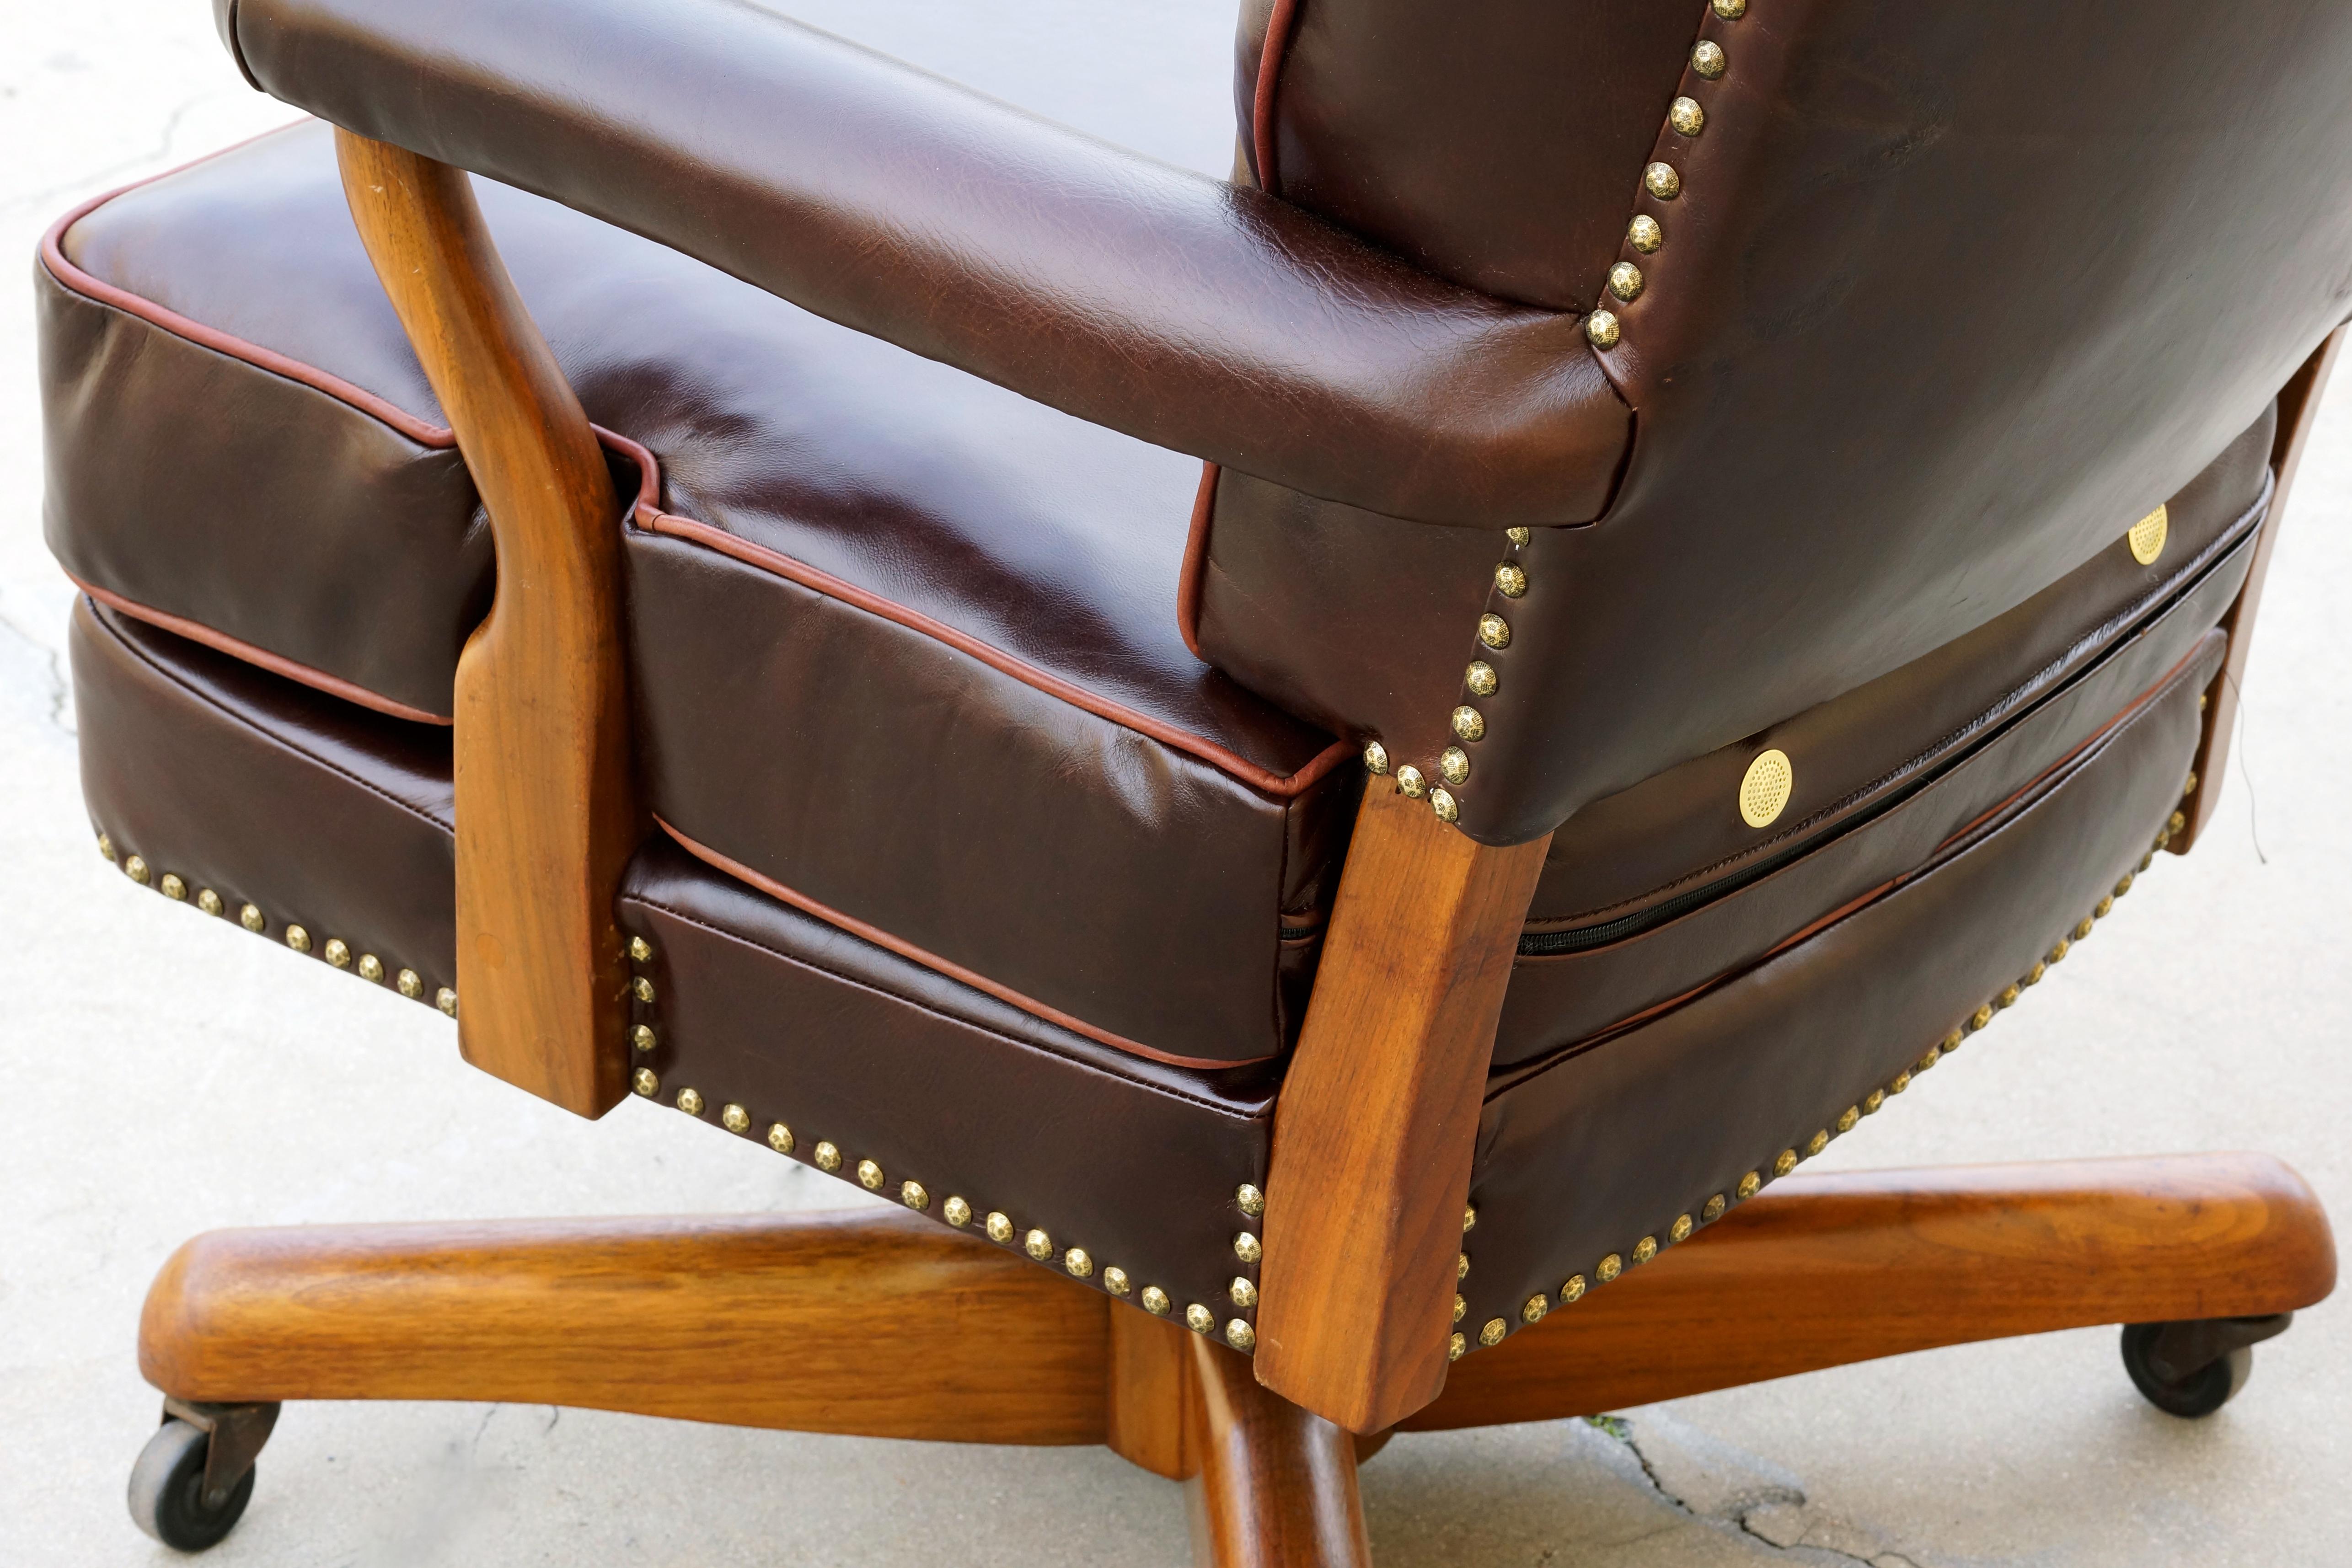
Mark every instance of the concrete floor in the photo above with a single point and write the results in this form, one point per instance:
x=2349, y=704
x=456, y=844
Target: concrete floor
x=169, y=1075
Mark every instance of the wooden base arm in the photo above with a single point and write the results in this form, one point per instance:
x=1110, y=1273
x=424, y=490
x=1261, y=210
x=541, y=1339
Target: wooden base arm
x=869, y=1322
x=1820, y=1270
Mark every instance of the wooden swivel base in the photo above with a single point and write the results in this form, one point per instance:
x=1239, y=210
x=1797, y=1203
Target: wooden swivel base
x=889, y=1325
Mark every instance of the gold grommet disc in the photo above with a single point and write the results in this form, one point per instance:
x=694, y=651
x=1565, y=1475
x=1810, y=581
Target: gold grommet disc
x=1765, y=788
x=2147, y=536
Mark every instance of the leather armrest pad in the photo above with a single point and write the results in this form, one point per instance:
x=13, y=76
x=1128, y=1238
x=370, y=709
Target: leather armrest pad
x=1178, y=308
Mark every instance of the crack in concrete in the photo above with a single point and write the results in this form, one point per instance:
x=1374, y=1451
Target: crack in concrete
x=53, y=669
x=1622, y=1430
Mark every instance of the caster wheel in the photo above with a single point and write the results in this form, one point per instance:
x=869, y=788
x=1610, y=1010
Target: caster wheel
x=167, y=1491
x=2192, y=1369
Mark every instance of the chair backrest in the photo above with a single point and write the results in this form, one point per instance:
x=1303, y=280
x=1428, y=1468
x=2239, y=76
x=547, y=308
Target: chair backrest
x=1940, y=301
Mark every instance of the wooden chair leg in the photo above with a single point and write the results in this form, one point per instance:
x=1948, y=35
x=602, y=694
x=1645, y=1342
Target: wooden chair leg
x=868, y=1322
x=1820, y=1270
x=1277, y=1484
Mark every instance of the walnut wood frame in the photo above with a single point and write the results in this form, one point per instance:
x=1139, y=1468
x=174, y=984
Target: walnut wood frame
x=884, y=1324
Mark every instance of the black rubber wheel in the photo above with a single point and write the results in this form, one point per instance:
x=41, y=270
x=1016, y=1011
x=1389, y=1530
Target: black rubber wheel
x=2200, y=1392
x=167, y=1491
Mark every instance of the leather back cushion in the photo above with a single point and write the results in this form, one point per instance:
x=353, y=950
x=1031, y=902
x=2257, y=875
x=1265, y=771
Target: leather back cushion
x=1949, y=298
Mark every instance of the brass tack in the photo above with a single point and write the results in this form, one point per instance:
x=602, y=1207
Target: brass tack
x=1686, y=117
x=135, y=868
x=209, y=901
x=1243, y=1292
x=1645, y=234
x=1409, y=782
x=1469, y=722
x=1645, y=1248
x=1609, y=1268
x=915, y=1196
x=1817, y=1143
x=1155, y=1300
x=1511, y=579
x=1750, y=1185
x=956, y=1212
x=643, y=1082
x=1873, y=1100
x=1461, y=1265
x=828, y=1157
x=1455, y=763
x=869, y=1176
x=690, y=1102
x=1249, y=1200
x=172, y=888
x=2084, y=927
x=2008, y=998
x=1200, y=1319
x=1899, y=1082
x=2034, y=977
x=1078, y=1263
x=1681, y=1229
x=371, y=968
x=250, y=918
x=336, y=952
x=1602, y=331
x=297, y=939
x=1038, y=1245
x=2057, y=955
x=780, y=1137
x=1533, y=1309
x=1246, y=1247
x=1935, y=1054
x=1708, y=58
x=2146, y=861
x=1442, y=801
x=1492, y=1335
x=1480, y=678
x=1115, y=1281
x=1785, y=1162
x=642, y=1036
x=1571, y=1290
x=1982, y=1016
x=735, y=1119
x=2190, y=787
x=1376, y=757
x=447, y=1000
x=1494, y=631
x=1625, y=283
x=999, y=1227
x=1952, y=1041
x=644, y=988
x=106, y=846
x=1518, y=536
x=1731, y=10
x=1469, y=1217
x=2124, y=884
x=1455, y=1346
x=1241, y=1336
x=1848, y=1117
x=1714, y=1210
x=1662, y=181
x=2202, y=698
x=640, y=949
x=1460, y=1306
x=2175, y=823
x=409, y=984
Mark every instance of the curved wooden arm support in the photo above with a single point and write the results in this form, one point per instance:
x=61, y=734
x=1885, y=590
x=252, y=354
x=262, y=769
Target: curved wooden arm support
x=1374, y=1132
x=547, y=812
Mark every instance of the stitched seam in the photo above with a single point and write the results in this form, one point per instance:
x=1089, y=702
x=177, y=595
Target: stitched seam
x=1060, y=1055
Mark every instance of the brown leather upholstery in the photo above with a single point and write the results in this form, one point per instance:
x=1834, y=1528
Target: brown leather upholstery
x=1946, y=302
x=1172, y=307
x=962, y=845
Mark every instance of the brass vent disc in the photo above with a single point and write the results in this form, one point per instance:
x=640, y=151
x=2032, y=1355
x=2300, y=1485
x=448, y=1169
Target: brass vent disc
x=2147, y=535
x=1764, y=792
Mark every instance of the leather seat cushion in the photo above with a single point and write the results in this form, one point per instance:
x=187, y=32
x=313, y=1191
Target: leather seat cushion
x=905, y=644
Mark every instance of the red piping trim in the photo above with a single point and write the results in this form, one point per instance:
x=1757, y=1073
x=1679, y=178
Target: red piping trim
x=222, y=643
x=1191, y=576
x=933, y=961
x=1269, y=67
x=1279, y=786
